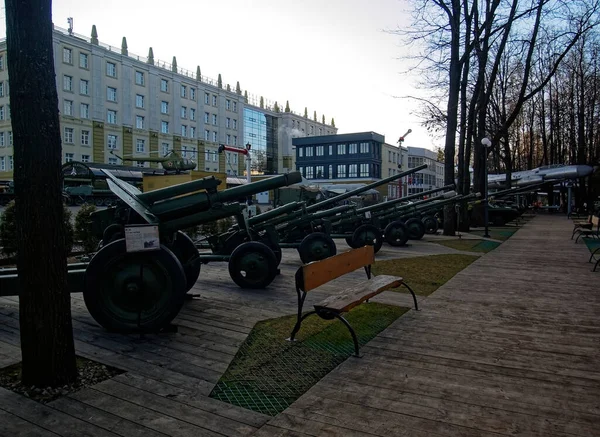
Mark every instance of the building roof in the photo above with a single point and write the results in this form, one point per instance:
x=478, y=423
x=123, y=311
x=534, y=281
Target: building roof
x=338, y=138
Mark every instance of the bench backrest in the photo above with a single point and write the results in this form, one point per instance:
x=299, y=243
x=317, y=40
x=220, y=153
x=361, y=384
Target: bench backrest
x=317, y=273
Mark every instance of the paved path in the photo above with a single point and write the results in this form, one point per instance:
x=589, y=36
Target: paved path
x=489, y=354
x=509, y=346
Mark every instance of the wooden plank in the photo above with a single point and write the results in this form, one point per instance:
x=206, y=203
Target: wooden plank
x=11, y=425
x=356, y=295
x=320, y=272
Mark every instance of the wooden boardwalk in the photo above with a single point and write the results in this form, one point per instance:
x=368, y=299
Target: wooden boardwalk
x=508, y=347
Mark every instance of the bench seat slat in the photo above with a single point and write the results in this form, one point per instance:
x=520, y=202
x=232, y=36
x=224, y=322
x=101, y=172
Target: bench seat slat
x=354, y=296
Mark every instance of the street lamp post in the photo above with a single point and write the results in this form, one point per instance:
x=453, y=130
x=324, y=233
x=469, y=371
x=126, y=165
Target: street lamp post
x=486, y=144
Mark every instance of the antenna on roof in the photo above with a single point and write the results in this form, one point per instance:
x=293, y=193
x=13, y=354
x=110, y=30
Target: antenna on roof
x=70, y=21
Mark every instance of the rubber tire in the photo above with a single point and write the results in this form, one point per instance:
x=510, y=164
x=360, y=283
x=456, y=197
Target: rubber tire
x=184, y=249
x=306, y=256
x=268, y=257
x=97, y=272
x=393, y=237
x=112, y=233
x=431, y=224
x=416, y=228
x=357, y=240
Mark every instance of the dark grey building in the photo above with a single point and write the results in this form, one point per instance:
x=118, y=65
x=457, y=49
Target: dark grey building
x=349, y=157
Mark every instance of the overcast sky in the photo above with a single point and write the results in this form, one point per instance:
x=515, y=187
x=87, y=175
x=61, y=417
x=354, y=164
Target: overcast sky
x=332, y=56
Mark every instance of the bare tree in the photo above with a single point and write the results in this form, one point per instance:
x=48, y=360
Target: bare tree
x=45, y=315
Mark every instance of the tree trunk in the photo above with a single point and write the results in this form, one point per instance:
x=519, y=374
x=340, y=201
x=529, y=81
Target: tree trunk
x=47, y=347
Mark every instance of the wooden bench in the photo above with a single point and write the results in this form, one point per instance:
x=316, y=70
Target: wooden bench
x=592, y=231
x=313, y=275
x=582, y=224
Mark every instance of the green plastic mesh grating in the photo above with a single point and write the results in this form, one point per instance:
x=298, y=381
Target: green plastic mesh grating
x=486, y=245
x=269, y=373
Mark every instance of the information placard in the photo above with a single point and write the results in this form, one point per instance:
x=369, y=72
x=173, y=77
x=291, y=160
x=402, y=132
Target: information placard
x=142, y=238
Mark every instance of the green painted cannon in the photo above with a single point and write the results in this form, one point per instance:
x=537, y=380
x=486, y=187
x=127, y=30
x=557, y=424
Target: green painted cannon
x=138, y=279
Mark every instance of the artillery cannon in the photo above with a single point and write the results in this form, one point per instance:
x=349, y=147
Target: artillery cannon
x=138, y=279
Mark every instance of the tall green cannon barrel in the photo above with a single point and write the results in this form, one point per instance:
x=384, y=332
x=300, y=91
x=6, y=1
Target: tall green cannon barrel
x=207, y=183
x=275, y=212
x=302, y=219
x=389, y=203
x=512, y=191
x=324, y=203
x=198, y=202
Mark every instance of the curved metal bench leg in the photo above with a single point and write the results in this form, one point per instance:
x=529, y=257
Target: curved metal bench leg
x=413, y=295
x=354, y=339
x=596, y=265
x=593, y=255
x=298, y=324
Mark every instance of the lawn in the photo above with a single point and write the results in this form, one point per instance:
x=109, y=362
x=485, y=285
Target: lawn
x=424, y=274
x=470, y=245
x=501, y=234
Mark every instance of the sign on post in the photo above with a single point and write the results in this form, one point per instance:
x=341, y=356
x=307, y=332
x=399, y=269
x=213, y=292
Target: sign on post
x=142, y=238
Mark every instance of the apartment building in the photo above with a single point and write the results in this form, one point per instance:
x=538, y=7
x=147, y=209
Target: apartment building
x=114, y=105
x=430, y=178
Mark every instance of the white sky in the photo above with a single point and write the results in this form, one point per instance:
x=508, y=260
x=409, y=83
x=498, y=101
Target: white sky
x=332, y=56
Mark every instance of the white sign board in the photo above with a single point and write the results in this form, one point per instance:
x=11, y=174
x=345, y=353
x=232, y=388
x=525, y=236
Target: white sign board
x=142, y=238
x=368, y=214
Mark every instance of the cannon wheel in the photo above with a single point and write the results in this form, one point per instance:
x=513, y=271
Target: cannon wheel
x=112, y=233
x=367, y=234
x=396, y=233
x=315, y=247
x=134, y=292
x=187, y=254
x=416, y=228
x=273, y=245
x=252, y=265
x=431, y=224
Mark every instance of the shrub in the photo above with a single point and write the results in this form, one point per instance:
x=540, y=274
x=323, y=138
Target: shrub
x=83, y=229
x=8, y=230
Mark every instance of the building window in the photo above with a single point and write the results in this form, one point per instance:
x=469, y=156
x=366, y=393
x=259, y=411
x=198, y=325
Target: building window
x=214, y=100
x=300, y=152
x=164, y=107
x=68, y=107
x=353, y=148
x=112, y=142
x=111, y=94
x=330, y=150
x=341, y=149
x=2, y=163
x=234, y=140
x=228, y=104
x=112, y=161
x=139, y=78
x=2, y=112
x=193, y=93
x=183, y=90
x=341, y=171
x=69, y=157
x=111, y=69
x=139, y=122
x=2, y=139
x=10, y=162
x=228, y=139
x=234, y=107
x=84, y=87
x=85, y=137
x=140, y=145
x=1, y=89
x=319, y=172
x=320, y=150
x=68, y=135
x=164, y=127
x=364, y=170
x=183, y=130
x=206, y=98
x=183, y=112
x=364, y=147
x=83, y=60
x=67, y=56
x=206, y=117
x=192, y=132
x=234, y=123
x=140, y=163
x=214, y=137
x=353, y=170
x=310, y=172
x=111, y=116
x=10, y=138
x=85, y=158
x=330, y=172
x=206, y=134
x=192, y=114
x=227, y=122
x=1, y=62
x=139, y=101
x=164, y=85
x=165, y=148
x=84, y=110
x=67, y=83
x=214, y=119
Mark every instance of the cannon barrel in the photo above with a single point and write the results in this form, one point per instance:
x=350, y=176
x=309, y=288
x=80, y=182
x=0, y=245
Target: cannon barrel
x=198, y=202
x=275, y=212
x=207, y=183
x=431, y=205
x=318, y=215
x=332, y=200
x=390, y=203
